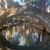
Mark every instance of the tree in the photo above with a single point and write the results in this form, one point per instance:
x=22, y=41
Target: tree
x=16, y=4
x=32, y=2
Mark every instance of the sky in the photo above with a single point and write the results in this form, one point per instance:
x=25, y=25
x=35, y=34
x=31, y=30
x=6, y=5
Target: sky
x=19, y=2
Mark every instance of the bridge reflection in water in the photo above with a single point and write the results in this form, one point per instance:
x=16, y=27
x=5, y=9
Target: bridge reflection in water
x=25, y=33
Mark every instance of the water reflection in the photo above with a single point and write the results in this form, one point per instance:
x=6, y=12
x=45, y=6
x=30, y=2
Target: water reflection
x=19, y=36
x=18, y=39
x=34, y=37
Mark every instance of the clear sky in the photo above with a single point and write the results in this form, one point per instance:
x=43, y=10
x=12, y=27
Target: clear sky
x=16, y=0
x=19, y=1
